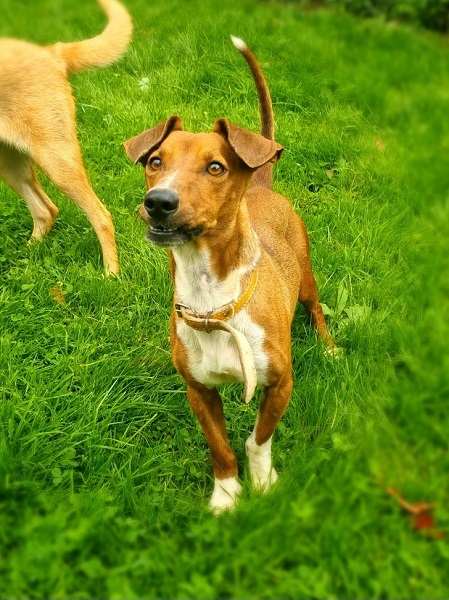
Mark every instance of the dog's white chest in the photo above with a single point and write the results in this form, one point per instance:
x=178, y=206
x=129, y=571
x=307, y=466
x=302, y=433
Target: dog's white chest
x=213, y=357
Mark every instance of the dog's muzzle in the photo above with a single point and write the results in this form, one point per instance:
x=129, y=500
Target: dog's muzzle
x=159, y=206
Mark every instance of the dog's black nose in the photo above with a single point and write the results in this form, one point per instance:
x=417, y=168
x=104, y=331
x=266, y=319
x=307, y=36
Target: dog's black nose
x=160, y=203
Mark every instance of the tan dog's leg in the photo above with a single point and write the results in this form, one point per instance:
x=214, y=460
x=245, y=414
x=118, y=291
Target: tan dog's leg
x=208, y=408
x=61, y=161
x=16, y=169
x=258, y=446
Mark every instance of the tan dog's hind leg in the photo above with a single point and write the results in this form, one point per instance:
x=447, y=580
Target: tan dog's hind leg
x=258, y=446
x=61, y=161
x=208, y=408
x=17, y=170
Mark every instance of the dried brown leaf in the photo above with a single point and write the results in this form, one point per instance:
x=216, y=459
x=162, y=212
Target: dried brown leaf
x=56, y=294
x=414, y=508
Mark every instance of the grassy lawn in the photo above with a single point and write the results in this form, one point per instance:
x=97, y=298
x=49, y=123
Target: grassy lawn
x=104, y=472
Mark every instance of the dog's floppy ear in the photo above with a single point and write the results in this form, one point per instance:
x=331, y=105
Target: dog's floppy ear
x=253, y=149
x=140, y=146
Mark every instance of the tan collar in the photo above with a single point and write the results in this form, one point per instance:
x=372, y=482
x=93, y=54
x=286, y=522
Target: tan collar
x=210, y=320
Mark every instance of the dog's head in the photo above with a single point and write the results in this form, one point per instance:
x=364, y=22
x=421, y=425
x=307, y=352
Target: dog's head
x=195, y=181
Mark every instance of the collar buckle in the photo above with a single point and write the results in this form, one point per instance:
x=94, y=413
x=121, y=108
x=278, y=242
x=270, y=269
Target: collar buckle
x=179, y=307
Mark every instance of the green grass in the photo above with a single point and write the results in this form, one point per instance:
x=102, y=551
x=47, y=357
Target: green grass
x=104, y=472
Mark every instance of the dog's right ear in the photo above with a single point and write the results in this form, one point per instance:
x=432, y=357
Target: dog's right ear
x=140, y=146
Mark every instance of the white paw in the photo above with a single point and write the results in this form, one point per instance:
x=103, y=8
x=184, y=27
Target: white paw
x=264, y=479
x=225, y=495
x=263, y=475
x=335, y=353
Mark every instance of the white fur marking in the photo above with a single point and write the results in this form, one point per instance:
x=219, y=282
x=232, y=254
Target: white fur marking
x=167, y=184
x=263, y=475
x=225, y=494
x=239, y=43
x=335, y=353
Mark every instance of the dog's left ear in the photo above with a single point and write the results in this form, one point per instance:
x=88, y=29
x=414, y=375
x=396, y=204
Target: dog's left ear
x=253, y=149
x=140, y=146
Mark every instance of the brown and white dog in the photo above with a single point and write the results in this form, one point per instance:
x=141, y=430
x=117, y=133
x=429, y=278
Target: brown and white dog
x=239, y=262
x=37, y=123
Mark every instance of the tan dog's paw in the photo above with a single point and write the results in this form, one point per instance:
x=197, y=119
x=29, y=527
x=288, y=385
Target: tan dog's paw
x=335, y=353
x=225, y=495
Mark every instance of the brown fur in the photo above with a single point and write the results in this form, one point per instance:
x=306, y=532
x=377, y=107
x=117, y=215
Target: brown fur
x=37, y=123
x=239, y=218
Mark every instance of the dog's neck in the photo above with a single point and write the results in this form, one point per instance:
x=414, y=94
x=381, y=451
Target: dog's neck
x=215, y=271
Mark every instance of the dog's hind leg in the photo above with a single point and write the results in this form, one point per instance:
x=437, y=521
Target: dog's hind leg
x=308, y=290
x=308, y=296
x=61, y=161
x=17, y=170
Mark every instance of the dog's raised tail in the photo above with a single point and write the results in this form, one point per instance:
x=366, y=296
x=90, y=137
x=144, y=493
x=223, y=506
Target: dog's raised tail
x=263, y=176
x=103, y=49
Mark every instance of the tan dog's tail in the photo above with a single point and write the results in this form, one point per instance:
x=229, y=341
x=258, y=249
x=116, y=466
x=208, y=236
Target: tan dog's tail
x=263, y=176
x=103, y=49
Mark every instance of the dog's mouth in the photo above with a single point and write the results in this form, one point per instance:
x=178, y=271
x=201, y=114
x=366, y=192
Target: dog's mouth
x=170, y=238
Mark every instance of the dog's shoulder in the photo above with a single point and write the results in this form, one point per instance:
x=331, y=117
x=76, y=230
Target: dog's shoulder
x=266, y=205
x=22, y=60
x=272, y=215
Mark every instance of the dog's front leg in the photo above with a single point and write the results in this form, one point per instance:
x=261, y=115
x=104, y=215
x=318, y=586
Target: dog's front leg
x=258, y=446
x=208, y=408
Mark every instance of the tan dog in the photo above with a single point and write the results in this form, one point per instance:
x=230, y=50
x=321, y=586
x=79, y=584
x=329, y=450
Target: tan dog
x=37, y=123
x=240, y=263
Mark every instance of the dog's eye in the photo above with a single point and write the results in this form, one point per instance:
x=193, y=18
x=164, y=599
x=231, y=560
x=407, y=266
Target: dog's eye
x=215, y=168
x=155, y=163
